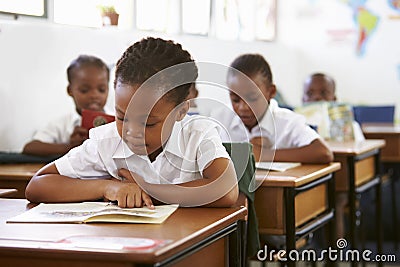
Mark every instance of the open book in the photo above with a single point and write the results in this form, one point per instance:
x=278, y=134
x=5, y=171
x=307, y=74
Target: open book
x=276, y=166
x=334, y=121
x=93, y=212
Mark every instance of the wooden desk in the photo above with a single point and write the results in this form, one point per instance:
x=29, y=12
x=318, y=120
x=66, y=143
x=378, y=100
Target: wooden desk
x=199, y=237
x=17, y=176
x=391, y=134
x=7, y=192
x=296, y=202
x=360, y=172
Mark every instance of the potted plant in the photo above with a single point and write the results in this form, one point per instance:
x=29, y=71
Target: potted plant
x=109, y=15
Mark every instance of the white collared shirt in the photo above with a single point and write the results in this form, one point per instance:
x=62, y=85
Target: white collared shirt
x=193, y=144
x=283, y=127
x=59, y=131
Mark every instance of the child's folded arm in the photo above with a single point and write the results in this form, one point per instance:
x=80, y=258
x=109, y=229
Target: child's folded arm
x=218, y=188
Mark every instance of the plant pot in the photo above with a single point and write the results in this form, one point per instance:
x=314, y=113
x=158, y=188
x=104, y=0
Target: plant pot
x=110, y=19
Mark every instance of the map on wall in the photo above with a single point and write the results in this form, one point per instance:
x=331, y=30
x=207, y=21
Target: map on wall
x=366, y=22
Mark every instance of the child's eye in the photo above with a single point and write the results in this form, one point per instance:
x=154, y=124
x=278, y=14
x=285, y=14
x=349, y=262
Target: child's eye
x=150, y=124
x=102, y=90
x=84, y=90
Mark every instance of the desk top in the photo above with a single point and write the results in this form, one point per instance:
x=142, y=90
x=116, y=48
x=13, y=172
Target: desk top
x=185, y=227
x=6, y=192
x=23, y=171
x=383, y=128
x=296, y=176
x=352, y=148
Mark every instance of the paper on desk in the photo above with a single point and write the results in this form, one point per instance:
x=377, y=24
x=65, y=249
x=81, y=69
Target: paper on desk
x=93, y=212
x=276, y=166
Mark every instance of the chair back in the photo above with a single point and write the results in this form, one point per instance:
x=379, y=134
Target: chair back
x=374, y=114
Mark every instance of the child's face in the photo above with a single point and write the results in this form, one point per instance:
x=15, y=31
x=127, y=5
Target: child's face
x=142, y=127
x=89, y=88
x=250, y=99
x=318, y=89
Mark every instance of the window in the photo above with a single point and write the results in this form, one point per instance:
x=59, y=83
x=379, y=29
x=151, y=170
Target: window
x=35, y=8
x=196, y=16
x=88, y=12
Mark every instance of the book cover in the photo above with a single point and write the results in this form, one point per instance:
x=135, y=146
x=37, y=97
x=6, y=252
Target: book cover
x=334, y=121
x=87, y=212
x=317, y=114
x=91, y=118
x=276, y=166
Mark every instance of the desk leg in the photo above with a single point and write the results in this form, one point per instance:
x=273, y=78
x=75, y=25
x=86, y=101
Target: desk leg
x=332, y=223
x=352, y=204
x=235, y=245
x=379, y=233
x=290, y=223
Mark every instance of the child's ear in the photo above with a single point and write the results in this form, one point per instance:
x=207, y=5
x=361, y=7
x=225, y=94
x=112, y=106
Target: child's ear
x=272, y=91
x=69, y=90
x=182, y=110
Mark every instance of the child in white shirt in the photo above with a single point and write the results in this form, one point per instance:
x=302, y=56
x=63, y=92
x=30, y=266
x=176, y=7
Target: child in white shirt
x=88, y=79
x=277, y=134
x=152, y=151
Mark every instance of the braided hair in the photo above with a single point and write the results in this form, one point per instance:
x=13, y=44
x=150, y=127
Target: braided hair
x=86, y=60
x=149, y=57
x=250, y=65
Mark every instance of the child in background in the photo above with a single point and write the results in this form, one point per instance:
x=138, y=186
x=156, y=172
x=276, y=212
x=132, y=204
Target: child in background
x=151, y=148
x=277, y=134
x=88, y=79
x=322, y=87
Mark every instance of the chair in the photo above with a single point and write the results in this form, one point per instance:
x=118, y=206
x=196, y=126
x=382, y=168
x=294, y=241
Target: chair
x=374, y=114
x=244, y=163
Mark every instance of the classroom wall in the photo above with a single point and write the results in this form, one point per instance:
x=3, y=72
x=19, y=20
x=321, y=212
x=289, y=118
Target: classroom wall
x=34, y=57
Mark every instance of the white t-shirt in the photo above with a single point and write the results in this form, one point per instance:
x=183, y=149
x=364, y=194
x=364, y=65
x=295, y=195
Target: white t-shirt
x=283, y=127
x=59, y=130
x=194, y=143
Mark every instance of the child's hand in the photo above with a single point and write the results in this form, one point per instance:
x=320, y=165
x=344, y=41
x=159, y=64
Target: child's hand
x=262, y=149
x=77, y=137
x=128, y=193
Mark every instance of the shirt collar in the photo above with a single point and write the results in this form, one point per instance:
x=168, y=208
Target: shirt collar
x=123, y=151
x=267, y=122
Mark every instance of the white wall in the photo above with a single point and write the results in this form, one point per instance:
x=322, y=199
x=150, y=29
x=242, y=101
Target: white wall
x=34, y=57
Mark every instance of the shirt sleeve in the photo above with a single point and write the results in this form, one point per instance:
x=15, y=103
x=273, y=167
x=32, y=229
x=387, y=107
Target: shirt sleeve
x=49, y=134
x=301, y=134
x=83, y=162
x=210, y=148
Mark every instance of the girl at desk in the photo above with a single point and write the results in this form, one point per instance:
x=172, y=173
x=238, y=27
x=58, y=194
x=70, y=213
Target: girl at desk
x=277, y=134
x=88, y=78
x=153, y=151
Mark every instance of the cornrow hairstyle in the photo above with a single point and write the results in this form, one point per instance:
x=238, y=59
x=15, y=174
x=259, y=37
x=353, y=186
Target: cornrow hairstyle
x=86, y=60
x=325, y=76
x=250, y=65
x=148, y=57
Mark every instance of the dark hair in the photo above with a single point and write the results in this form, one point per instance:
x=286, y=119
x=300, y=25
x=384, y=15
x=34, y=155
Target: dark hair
x=86, y=60
x=149, y=56
x=325, y=76
x=251, y=64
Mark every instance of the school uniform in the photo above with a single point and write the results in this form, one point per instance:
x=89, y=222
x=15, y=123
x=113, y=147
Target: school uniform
x=59, y=131
x=193, y=144
x=283, y=127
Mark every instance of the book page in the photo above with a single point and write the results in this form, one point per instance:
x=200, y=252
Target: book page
x=93, y=212
x=276, y=166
